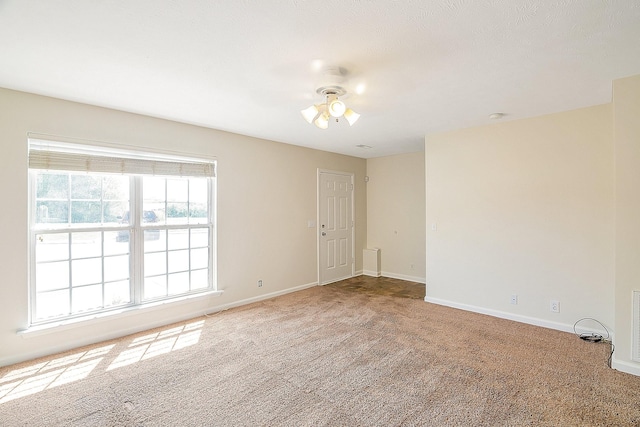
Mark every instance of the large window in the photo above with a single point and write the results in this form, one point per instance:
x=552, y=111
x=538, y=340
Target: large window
x=113, y=228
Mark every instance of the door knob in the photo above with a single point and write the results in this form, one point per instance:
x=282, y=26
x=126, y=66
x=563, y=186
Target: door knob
x=324, y=234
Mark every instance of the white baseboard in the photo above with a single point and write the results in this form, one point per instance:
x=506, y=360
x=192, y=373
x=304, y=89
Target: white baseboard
x=258, y=298
x=404, y=277
x=90, y=340
x=370, y=273
x=137, y=327
x=503, y=314
x=626, y=367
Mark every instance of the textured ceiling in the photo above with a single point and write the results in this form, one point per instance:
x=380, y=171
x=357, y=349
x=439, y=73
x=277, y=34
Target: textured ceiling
x=249, y=67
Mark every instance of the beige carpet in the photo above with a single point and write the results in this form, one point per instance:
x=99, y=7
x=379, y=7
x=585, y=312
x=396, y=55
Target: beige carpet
x=327, y=356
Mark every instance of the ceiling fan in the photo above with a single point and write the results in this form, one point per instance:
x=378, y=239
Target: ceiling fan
x=331, y=90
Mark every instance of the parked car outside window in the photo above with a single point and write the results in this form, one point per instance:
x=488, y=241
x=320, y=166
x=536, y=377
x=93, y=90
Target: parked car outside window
x=147, y=218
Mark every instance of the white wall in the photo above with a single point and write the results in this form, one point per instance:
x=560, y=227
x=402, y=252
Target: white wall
x=524, y=207
x=395, y=214
x=626, y=100
x=266, y=195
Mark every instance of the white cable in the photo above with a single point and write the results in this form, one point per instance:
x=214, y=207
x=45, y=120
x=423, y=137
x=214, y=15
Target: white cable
x=592, y=337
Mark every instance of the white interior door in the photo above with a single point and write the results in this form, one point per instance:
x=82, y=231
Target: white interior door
x=335, y=226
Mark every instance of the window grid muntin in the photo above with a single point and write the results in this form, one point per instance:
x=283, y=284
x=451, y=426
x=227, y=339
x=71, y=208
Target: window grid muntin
x=71, y=283
x=167, y=273
x=70, y=201
x=135, y=228
x=167, y=226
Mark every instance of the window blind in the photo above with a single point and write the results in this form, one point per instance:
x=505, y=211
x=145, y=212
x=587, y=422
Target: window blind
x=50, y=155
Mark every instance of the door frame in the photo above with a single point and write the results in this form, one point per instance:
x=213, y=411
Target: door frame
x=353, y=221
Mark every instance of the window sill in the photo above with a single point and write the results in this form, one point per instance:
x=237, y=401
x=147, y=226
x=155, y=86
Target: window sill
x=95, y=318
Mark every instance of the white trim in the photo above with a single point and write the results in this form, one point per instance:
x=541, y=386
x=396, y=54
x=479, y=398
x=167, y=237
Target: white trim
x=135, y=254
x=406, y=277
x=333, y=172
x=259, y=298
x=63, y=325
x=371, y=273
x=336, y=280
x=502, y=314
x=89, y=340
x=626, y=367
x=635, y=323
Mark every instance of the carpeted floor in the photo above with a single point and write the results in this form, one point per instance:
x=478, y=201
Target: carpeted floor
x=327, y=356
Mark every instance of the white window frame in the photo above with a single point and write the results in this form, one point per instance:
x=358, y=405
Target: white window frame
x=46, y=155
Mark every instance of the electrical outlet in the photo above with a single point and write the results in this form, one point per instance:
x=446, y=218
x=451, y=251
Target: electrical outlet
x=260, y=283
x=514, y=299
x=555, y=306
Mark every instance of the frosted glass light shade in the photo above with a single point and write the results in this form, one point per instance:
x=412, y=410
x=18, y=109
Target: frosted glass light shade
x=322, y=121
x=351, y=116
x=336, y=108
x=310, y=113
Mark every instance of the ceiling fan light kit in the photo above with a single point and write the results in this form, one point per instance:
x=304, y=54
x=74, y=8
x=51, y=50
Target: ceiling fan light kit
x=310, y=113
x=336, y=107
x=322, y=121
x=319, y=114
x=351, y=116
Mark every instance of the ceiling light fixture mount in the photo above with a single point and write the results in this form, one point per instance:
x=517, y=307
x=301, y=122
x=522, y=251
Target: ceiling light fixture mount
x=333, y=107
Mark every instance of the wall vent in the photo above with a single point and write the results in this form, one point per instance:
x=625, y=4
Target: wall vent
x=636, y=326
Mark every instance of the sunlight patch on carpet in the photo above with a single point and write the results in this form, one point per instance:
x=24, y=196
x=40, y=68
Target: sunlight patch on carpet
x=52, y=373
x=159, y=343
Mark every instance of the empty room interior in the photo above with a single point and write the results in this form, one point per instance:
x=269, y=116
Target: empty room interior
x=228, y=173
